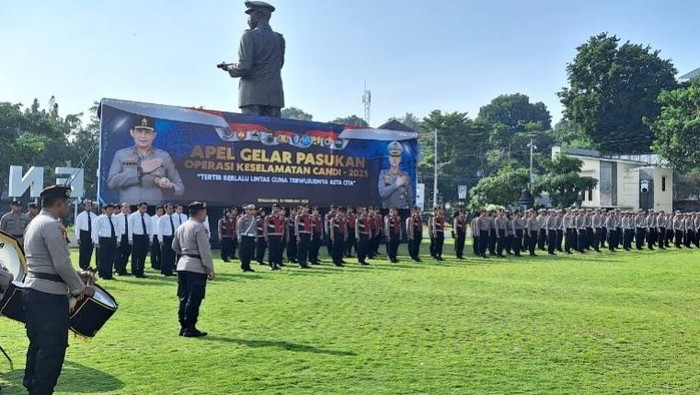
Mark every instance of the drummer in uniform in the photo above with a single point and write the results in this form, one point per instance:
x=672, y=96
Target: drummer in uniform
x=194, y=268
x=143, y=172
x=394, y=184
x=14, y=222
x=50, y=279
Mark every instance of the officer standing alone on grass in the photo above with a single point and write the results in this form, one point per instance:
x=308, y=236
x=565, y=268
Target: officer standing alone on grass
x=50, y=279
x=194, y=268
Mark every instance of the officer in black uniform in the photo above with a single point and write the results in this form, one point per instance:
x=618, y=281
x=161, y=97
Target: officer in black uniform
x=50, y=279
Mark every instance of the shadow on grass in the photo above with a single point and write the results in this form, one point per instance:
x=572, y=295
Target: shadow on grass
x=287, y=346
x=75, y=379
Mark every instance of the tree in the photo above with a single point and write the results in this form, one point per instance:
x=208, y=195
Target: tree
x=296, y=113
x=502, y=188
x=612, y=88
x=352, y=120
x=461, y=144
x=677, y=128
x=562, y=180
x=570, y=134
x=511, y=114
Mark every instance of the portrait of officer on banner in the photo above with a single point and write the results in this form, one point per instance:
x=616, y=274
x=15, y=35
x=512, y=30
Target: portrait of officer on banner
x=143, y=173
x=395, y=189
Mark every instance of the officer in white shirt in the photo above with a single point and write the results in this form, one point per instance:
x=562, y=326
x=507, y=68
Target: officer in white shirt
x=155, y=244
x=166, y=230
x=83, y=234
x=104, y=237
x=139, y=238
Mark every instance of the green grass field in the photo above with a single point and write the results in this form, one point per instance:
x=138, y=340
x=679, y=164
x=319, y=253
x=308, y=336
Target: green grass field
x=625, y=323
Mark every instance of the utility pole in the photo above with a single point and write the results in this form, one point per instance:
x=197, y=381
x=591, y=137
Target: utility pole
x=367, y=101
x=532, y=148
x=435, y=167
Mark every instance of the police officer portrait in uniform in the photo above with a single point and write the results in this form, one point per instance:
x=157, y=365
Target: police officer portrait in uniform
x=394, y=184
x=50, y=280
x=143, y=173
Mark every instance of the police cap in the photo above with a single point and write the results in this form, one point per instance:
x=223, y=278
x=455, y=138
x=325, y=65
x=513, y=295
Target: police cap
x=395, y=148
x=144, y=123
x=258, y=6
x=196, y=206
x=16, y=203
x=55, y=191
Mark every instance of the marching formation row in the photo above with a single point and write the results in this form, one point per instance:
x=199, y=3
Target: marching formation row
x=257, y=235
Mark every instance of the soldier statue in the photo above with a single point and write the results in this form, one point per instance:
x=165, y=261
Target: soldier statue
x=261, y=57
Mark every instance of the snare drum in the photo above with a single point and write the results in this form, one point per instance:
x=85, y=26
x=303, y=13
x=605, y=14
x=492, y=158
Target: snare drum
x=11, y=304
x=92, y=313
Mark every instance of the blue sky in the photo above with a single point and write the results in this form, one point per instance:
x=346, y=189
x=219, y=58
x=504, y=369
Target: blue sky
x=416, y=56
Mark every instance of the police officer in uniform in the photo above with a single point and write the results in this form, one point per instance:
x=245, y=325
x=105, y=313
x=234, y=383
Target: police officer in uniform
x=339, y=235
x=392, y=229
x=104, y=238
x=260, y=242
x=247, y=234
x=121, y=221
x=459, y=227
x=303, y=226
x=83, y=234
x=316, y=237
x=155, y=244
x=273, y=233
x=414, y=230
x=14, y=222
x=194, y=267
x=166, y=232
x=143, y=172
x=226, y=234
x=50, y=279
x=394, y=184
x=363, y=233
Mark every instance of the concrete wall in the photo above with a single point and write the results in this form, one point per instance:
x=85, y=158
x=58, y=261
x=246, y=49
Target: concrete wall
x=663, y=200
x=591, y=168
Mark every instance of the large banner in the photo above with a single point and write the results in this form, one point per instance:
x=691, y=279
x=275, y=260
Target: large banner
x=156, y=154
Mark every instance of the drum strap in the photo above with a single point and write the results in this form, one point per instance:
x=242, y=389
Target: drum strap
x=46, y=276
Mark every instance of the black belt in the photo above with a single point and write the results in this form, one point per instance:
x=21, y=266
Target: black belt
x=17, y=236
x=47, y=276
x=193, y=256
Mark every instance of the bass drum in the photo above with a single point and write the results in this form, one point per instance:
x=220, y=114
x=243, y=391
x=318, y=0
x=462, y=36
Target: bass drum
x=91, y=313
x=12, y=257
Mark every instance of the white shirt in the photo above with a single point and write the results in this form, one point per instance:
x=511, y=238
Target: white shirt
x=136, y=226
x=154, y=226
x=206, y=225
x=81, y=222
x=165, y=229
x=101, y=228
x=179, y=219
x=120, y=219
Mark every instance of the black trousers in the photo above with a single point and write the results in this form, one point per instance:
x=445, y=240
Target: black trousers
x=627, y=239
x=274, y=246
x=314, y=248
x=226, y=248
x=234, y=246
x=374, y=243
x=603, y=236
x=612, y=239
x=338, y=248
x=329, y=245
x=560, y=238
x=459, y=243
x=362, y=247
x=167, y=256
x=439, y=242
x=350, y=244
x=46, y=318
x=679, y=238
x=582, y=238
x=107, y=253
x=551, y=240
x=191, y=288
x=518, y=242
x=689, y=237
x=303, y=246
x=86, y=248
x=542, y=239
x=493, y=237
x=661, y=238
x=414, y=244
x=569, y=240
x=392, y=245
x=155, y=253
x=532, y=242
x=483, y=242
x=640, y=237
x=124, y=252
x=292, y=248
x=247, y=250
x=597, y=233
x=501, y=242
x=651, y=238
x=260, y=248
x=139, y=252
x=669, y=237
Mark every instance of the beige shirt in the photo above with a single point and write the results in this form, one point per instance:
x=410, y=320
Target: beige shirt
x=47, y=252
x=191, y=239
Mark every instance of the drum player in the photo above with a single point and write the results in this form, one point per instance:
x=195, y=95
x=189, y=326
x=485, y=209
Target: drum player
x=50, y=278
